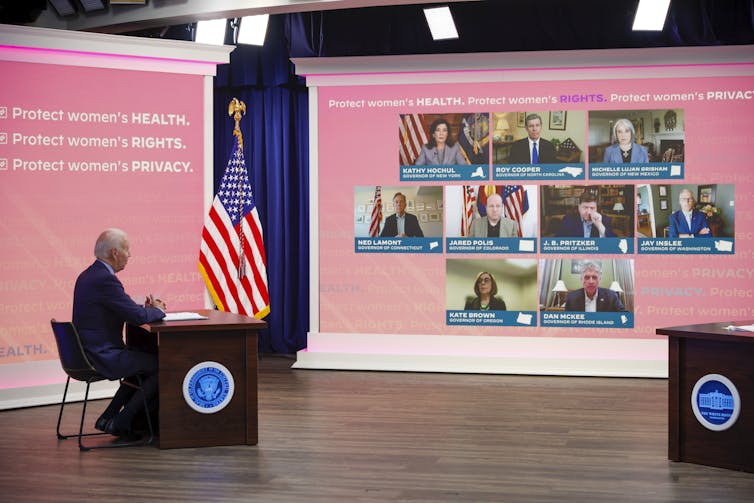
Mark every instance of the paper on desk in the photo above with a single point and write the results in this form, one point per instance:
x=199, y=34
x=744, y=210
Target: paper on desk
x=183, y=316
x=745, y=328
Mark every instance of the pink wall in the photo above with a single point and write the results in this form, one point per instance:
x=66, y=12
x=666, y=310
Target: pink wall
x=141, y=136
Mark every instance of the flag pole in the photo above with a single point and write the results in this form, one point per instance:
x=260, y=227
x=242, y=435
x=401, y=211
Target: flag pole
x=232, y=237
x=237, y=109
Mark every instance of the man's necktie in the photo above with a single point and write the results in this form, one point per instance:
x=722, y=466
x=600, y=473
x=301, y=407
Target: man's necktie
x=534, y=154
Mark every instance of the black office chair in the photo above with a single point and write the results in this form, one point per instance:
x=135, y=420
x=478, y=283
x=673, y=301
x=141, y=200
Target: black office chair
x=77, y=366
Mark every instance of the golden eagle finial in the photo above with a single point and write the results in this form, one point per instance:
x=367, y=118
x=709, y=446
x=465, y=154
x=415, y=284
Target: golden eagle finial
x=237, y=109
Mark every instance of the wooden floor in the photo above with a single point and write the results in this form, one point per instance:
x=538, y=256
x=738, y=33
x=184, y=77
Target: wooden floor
x=373, y=436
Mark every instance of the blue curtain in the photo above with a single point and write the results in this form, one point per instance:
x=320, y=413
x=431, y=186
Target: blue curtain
x=276, y=149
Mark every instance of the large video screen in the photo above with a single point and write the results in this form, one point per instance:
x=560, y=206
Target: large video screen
x=592, y=207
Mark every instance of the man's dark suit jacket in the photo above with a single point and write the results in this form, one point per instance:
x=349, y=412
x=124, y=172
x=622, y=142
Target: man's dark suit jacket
x=607, y=301
x=519, y=153
x=100, y=308
x=411, y=227
x=571, y=227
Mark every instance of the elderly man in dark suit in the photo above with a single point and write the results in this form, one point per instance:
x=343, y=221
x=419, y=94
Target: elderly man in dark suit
x=100, y=309
x=592, y=298
x=533, y=149
x=401, y=224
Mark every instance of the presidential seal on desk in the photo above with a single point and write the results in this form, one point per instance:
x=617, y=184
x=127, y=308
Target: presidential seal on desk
x=715, y=402
x=208, y=387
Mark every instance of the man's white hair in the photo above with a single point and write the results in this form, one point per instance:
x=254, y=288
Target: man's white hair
x=109, y=239
x=591, y=265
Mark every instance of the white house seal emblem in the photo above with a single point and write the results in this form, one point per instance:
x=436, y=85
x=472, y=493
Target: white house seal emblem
x=208, y=387
x=715, y=402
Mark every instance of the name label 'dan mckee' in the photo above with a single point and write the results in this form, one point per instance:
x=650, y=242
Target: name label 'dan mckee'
x=619, y=319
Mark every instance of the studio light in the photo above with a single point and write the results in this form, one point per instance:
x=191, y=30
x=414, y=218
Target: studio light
x=92, y=5
x=650, y=15
x=440, y=22
x=63, y=7
x=253, y=30
x=211, y=32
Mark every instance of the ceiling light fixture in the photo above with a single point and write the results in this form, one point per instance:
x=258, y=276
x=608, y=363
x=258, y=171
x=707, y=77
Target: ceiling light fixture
x=650, y=15
x=63, y=7
x=440, y=22
x=92, y=5
x=211, y=31
x=253, y=29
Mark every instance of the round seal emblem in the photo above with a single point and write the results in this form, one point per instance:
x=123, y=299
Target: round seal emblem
x=208, y=387
x=716, y=402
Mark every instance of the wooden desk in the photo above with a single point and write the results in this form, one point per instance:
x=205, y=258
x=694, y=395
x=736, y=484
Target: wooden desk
x=695, y=351
x=225, y=338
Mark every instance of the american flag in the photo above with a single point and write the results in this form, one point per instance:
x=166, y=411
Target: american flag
x=231, y=256
x=469, y=199
x=374, y=223
x=412, y=135
x=516, y=203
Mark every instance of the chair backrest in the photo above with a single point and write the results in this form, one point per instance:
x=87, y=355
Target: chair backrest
x=71, y=352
